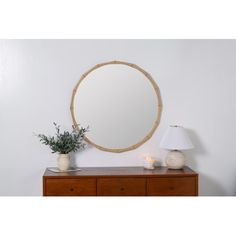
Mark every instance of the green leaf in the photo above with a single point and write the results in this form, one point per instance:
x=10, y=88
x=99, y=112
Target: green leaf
x=65, y=142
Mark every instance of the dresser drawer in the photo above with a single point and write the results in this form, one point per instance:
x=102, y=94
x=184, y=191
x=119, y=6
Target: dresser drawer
x=70, y=187
x=172, y=186
x=121, y=186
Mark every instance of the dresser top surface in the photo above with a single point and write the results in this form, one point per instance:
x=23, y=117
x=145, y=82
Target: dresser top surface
x=122, y=171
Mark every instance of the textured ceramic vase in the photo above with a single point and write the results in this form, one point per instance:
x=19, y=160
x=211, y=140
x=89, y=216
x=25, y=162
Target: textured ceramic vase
x=175, y=160
x=63, y=162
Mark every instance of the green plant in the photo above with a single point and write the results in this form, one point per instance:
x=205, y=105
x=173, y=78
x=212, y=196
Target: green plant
x=64, y=142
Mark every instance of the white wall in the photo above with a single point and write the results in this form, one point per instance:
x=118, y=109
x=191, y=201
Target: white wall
x=197, y=79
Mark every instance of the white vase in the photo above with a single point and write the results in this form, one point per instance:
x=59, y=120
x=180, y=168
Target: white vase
x=63, y=162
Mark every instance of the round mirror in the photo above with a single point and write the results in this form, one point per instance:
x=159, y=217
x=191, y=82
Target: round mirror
x=120, y=103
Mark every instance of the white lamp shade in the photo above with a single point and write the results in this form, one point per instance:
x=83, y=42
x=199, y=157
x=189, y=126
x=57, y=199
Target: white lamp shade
x=176, y=138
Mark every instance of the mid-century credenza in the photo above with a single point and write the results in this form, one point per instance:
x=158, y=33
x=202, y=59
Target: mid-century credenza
x=121, y=181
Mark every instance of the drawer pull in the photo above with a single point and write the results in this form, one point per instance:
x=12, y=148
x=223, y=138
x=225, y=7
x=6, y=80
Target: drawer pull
x=122, y=189
x=71, y=189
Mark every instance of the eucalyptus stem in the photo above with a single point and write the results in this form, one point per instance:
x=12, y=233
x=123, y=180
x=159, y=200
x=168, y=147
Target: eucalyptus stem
x=65, y=142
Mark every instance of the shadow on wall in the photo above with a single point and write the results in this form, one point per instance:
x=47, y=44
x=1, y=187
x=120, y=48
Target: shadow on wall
x=74, y=155
x=207, y=185
x=73, y=160
x=198, y=150
x=234, y=184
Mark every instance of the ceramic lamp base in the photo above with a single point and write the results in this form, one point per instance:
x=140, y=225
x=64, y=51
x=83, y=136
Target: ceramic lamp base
x=175, y=160
x=63, y=162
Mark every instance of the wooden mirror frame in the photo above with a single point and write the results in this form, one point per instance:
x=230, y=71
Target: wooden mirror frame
x=159, y=107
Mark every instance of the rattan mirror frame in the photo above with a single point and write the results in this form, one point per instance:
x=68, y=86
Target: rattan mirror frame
x=159, y=107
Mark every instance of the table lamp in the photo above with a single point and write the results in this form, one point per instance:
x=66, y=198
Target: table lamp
x=175, y=139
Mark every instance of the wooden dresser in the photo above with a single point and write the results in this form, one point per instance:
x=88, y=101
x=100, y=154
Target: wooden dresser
x=121, y=181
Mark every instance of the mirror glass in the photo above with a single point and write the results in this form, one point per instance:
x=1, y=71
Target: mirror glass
x=120, y=103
